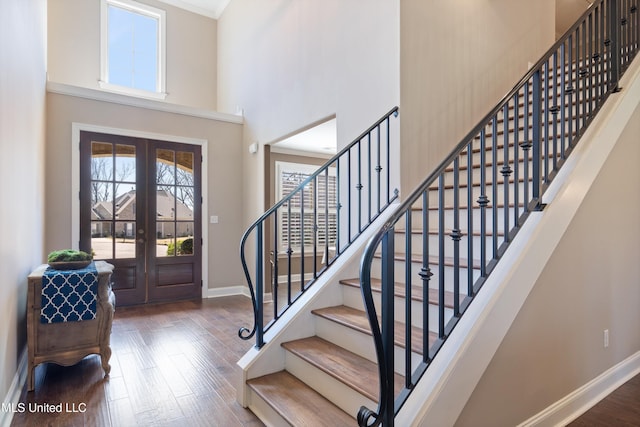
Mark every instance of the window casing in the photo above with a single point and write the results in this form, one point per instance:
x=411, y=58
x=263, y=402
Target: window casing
x=132, y=49
x=319, y=207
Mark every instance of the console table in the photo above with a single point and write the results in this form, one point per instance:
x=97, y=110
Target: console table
x=66, y=343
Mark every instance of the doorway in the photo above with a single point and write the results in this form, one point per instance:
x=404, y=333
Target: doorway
x=140, y=210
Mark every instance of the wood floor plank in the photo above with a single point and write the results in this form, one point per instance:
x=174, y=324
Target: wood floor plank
x=152, y=369
x=621, y=408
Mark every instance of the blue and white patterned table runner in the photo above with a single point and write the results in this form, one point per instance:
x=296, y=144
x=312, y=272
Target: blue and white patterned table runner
x=69, y=295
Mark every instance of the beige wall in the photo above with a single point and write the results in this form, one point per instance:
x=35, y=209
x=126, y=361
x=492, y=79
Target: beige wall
x=22, y=127
x=590, y=284
x=457, y=60
x=224, y=184
x=74, y=50
x=289, y=64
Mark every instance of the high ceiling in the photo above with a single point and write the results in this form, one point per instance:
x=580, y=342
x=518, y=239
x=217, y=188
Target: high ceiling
x=210, y=8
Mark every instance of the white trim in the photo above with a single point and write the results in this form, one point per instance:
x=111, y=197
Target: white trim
x=292, y=152
x=76, y=128
x=116, y=98
x=13, y=395
x=139, y=93
x=581, y=400
x=161, y=38
x=210, y=13
x=227, y=291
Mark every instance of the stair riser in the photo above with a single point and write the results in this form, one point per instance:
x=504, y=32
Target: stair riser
x=359, y=343
x=353, y=298
x=264, y=411
x=476, y=214
x=399, y=267
x=449, y=244
x=333, y=390
x=449, y=193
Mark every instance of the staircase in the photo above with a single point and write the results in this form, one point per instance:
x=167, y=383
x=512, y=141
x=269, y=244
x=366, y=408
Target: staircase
x=328, y=377
x=434, y=251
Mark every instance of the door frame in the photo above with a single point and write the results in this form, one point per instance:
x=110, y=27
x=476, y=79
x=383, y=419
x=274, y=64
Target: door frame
x=76, y=128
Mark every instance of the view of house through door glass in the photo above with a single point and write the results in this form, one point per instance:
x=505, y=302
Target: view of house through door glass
x=140, y=209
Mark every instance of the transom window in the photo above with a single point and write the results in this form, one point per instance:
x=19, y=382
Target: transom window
x=132, y=48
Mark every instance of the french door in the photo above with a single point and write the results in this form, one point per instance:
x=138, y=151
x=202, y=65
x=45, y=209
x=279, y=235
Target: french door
x=140, y=210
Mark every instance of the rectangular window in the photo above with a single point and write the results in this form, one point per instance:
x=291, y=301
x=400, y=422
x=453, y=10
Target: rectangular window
x=310, y=216
x=133, y=48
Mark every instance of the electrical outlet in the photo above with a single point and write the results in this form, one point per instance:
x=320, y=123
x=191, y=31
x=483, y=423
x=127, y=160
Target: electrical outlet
x=606, y=338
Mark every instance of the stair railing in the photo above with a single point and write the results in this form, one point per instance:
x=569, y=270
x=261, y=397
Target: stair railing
x=481, y=194
x=306, y=231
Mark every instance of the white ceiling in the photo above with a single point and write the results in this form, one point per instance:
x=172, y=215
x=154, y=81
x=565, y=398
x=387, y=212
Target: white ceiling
x=211, y=8
x=321, y=139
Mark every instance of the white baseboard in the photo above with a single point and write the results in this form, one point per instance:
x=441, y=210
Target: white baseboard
x=13, y=395
x=581, y=400
x=227, y=291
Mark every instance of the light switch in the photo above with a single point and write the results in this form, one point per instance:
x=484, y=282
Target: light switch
x=213, y=219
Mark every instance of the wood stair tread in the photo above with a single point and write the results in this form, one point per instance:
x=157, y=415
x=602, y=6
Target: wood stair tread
x=352, y=370
x=399, y=291
x=298, y=403
x=358, y=321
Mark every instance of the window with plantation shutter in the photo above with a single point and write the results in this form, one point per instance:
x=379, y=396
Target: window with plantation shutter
x=309, y=217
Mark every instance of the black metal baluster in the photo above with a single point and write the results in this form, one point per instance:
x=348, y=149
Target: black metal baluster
x=554, y=111
x=326, y=217
x=275, y=284
x=455, y=236
x=338, y=208
x=563, y=123
x=584, y=74
x=379, y=170
x=441, y=257
x=389, y=158
x=526, y=145
x=535, y=140
x=425, y=274
x=359, y=187
x=470, y=216
x=349, y=213
x=289, y=252
x=494, y=187
x=302, y=239
x=516, y=157
x=598, y=57
x=506, y=172
x=569, y=91
x=615, y=44
x=591, y=63
x=545, y=122
x=483, y=201
x=314, y=201
x=388, y=341
x=259, y=317
x=369, y=183
x=407, y=300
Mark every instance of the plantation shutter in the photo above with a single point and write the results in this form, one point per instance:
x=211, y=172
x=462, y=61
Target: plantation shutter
x=318, y=201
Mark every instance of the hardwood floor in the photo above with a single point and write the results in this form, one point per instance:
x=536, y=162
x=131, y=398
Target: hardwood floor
x=172, y=365
x=621, y=408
